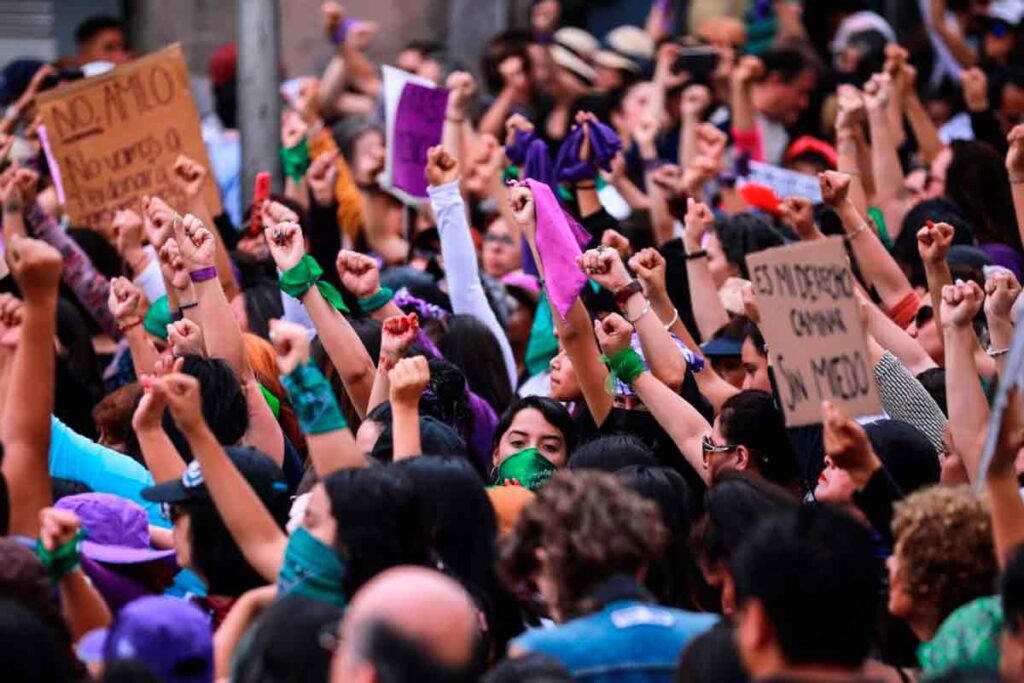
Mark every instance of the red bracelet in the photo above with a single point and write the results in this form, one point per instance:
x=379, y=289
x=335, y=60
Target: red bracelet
x=124, y=328
x=203, y=274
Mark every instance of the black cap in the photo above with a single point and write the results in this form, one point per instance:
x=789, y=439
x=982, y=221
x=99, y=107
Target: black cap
x=262, y=473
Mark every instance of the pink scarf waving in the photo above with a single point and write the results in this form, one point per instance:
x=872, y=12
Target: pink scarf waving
x=559, y=241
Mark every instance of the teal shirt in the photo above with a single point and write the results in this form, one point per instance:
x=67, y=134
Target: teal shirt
x=73, y=456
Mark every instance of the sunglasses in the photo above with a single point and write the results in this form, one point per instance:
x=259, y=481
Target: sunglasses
x=708, y=446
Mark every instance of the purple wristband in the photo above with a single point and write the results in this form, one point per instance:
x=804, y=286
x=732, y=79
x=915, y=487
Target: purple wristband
x=203, y=274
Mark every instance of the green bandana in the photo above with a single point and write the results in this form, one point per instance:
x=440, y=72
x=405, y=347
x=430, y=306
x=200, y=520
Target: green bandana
x=295, y=160
x=313, y=400
x=305, y=274
x=528, y=467
x=626, y=365
x=311, y=569
x=62, y=561
x=158, y=317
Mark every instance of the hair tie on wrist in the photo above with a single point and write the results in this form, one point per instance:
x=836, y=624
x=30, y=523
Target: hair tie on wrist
x=377, y=301
x=203, y=274
x=299, y=279
x=625, y=365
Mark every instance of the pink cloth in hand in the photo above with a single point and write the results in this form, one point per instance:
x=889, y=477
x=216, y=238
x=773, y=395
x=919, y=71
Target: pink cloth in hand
x=559, y=241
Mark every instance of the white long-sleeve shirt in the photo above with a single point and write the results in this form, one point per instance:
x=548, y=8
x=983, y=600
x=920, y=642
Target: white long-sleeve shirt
x=461, y=269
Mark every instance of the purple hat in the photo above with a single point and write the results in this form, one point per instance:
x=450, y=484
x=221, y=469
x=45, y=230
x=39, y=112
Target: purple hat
x=118, y=529
x=172, y=637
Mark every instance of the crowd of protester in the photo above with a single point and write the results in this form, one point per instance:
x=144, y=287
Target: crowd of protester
x=527, y=429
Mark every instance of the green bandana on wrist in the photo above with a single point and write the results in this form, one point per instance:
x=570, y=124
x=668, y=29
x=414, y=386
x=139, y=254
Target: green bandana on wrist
x=64, y=560
x=377, y=301
x=296, y=281
x=626, y=365
x=313, y=400
x=295, y=160
x=528, y=467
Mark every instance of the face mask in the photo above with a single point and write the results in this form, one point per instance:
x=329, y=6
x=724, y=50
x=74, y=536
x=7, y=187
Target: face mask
x=311, y=569
x=528, y=467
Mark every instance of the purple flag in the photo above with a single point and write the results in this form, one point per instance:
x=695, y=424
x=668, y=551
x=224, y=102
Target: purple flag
x=419, y=120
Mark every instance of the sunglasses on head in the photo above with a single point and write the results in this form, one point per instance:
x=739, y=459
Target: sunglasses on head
x=708, y=446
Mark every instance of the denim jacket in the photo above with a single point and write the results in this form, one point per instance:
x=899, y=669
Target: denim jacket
x=630, y=640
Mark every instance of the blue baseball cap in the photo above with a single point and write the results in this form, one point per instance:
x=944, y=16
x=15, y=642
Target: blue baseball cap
x=171, y=636
x=722, y=346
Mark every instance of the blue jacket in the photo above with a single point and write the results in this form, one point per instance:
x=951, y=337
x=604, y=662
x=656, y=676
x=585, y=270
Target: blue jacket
x=629, y=641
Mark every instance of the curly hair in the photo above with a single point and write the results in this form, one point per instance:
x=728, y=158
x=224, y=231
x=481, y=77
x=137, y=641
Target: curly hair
x=591, y=528
x=946, y=551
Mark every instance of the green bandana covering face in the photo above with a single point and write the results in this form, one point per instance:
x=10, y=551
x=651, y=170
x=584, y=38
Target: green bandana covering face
x=311, y=569
x=528, y=467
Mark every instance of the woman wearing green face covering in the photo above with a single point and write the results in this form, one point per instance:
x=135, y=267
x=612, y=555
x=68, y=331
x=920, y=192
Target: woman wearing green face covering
x=359, y=521
x=532, y=441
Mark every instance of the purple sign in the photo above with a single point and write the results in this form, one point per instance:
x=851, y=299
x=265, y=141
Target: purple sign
x=419, y=120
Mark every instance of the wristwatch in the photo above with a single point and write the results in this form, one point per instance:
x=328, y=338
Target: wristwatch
x=623, y=294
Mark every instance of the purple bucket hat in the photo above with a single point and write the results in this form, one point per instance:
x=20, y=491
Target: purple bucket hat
x=172, y=637
x=118, y=529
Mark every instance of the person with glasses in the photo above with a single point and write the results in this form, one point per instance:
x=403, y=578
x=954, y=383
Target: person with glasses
x=502, y=250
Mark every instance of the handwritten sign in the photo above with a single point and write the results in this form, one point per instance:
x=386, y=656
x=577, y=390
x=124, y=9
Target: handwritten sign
x=115, y=137
x=784, y=182
x=414, y=115
x=811, y=323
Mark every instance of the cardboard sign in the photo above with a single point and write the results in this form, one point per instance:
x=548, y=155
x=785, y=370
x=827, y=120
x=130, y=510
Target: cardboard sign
x=784, y=182
x=810, y=320
x=115, y=137
x=414, y=114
